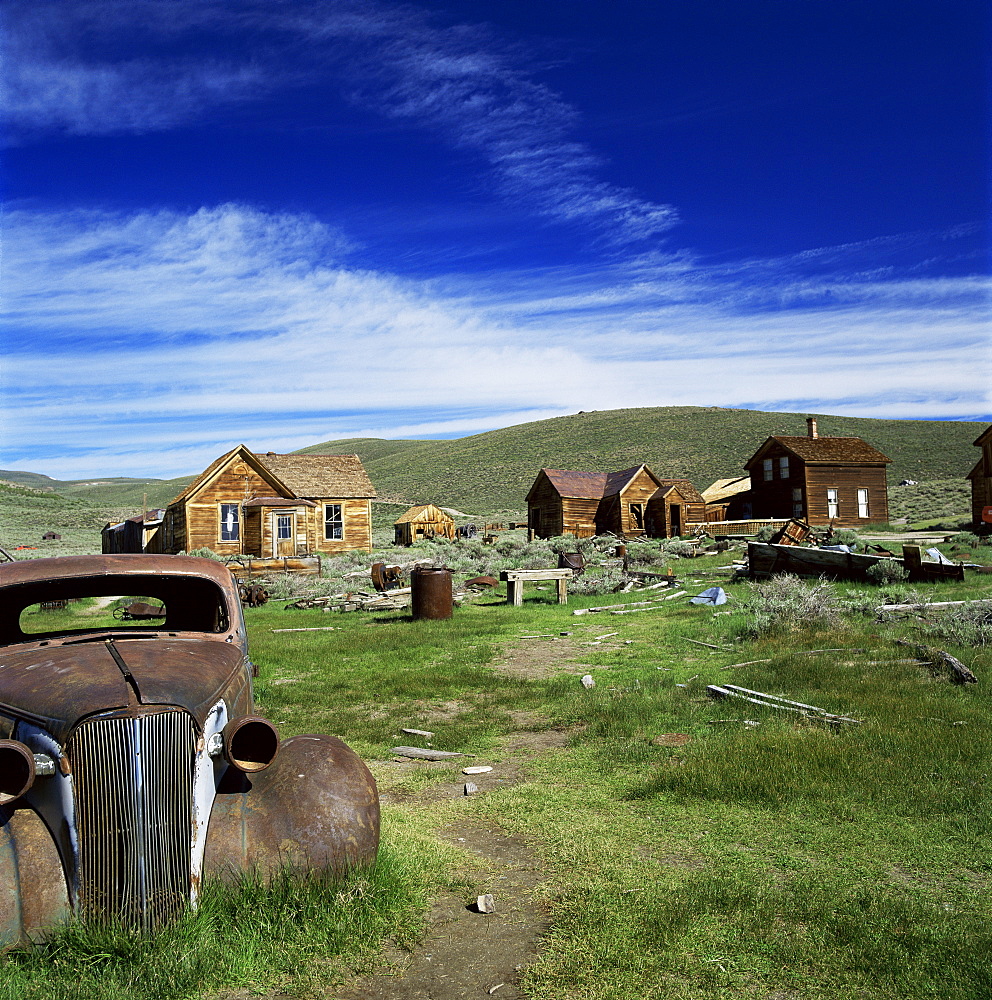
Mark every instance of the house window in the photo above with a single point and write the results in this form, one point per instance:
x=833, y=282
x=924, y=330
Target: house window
x=284, y=526
x=766, y=466
x=797, y=503
x=862, y=503
x=637, y=516
x=230, y=523
x=333, y=521
x=833, y=507
x=783, y=467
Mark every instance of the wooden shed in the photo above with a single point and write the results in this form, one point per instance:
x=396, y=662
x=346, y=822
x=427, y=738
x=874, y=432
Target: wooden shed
x=134, y=534
x=273, y=506
x=981, y=481
x=819, y=480
x=423, y=521
x=628, y=503
x=728, y=499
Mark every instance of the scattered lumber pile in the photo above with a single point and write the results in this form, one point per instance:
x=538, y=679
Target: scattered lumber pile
x=781, y=704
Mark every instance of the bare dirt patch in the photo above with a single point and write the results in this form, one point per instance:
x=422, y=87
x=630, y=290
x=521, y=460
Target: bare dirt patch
x=539, y=659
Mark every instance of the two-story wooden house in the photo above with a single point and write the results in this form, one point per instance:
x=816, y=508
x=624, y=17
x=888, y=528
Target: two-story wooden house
x=272, y=505
x=819, y=480
x=628, y=503
x=981, y=482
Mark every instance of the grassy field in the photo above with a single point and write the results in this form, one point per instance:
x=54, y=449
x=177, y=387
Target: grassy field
x=783, y=858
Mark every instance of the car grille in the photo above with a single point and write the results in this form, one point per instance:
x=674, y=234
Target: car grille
x=133, y=783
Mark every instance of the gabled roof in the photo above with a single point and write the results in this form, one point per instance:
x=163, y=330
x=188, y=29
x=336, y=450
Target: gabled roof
x=577, y=485
x=724, y=489
x=218, y=465
x=617, y=482
x=984, y=436
x=825, y=450
x=423, y=512
x=337, y=476
x=688, y=491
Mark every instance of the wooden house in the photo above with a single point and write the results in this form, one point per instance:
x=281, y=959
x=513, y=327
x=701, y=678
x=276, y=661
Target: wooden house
x=728, y=499
x=629, y=503
x=272, y=506
x=981, y=482
x=819, y=480
x=423, y=521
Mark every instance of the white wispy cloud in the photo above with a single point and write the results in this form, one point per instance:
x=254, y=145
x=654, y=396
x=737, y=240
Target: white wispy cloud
x=91, y=67
x=229, y=324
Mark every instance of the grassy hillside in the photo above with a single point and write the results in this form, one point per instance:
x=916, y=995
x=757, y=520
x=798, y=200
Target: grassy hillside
x=491, y=472
x=488, y=475
x=113, y=492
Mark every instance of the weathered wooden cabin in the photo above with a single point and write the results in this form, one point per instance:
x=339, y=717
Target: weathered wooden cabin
x=134, y=534
x=423, y=521
x=728, y=499
x=628, y=503
x=819, y=480
x=273, y=506
x=981, y=482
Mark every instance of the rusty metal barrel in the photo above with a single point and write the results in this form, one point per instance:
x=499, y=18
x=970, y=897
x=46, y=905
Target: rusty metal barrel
x=430, y=592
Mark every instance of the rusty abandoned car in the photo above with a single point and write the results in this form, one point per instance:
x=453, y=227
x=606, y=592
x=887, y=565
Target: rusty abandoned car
x=131, y=761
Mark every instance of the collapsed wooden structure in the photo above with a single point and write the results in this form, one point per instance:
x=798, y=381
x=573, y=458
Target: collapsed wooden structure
x=423, y=521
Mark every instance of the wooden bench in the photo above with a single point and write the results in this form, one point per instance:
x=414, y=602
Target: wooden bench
x=515, y=579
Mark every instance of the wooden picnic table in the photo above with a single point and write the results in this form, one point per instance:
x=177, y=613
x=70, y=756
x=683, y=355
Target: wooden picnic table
x=515, y=579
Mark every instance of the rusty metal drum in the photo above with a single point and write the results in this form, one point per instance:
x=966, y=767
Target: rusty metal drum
x=430, y=592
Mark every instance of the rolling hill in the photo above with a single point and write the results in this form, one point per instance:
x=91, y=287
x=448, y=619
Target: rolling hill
x=490, y=473
x=487, y=475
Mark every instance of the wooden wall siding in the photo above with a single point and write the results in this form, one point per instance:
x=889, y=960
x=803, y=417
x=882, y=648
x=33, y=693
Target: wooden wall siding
x=545, y=509
x=981, y=482
x=357, y=517
x=578, y=517
x=774, y=497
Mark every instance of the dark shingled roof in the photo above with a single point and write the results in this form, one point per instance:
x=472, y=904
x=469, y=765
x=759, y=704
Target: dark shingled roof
x=831, y=450
x=688, y=491
x=337, y=476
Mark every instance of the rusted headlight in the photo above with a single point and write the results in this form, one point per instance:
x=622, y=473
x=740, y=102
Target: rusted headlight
x=19, y=767
x=250, y=743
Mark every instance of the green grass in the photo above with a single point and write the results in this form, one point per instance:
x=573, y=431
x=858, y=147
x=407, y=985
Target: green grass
x=780, y=860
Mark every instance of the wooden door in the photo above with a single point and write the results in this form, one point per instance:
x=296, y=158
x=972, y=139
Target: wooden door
x=283, y=534
x=675, y=517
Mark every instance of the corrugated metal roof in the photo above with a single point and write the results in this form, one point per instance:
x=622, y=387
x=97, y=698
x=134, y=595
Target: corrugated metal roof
x=577, y=485
x=320, y=475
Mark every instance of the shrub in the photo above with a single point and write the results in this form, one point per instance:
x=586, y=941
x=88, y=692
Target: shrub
x=844, y=536
x=887, y=571
x=766, y=533
x=967, y=539
x=786, y=603
x=969, y=625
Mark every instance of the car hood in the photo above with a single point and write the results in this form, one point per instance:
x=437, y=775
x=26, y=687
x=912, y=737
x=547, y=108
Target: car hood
x=55, y=686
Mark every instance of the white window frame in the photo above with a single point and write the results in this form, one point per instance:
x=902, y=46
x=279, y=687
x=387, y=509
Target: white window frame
x=333, y=522
x=863, y=503
x=783, y=467
x=833, y=502
x=229, y=529
x=768, y=469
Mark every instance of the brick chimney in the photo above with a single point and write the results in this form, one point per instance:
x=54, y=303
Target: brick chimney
x=811, y=427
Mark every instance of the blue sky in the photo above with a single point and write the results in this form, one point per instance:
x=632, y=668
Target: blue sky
x=280, y=222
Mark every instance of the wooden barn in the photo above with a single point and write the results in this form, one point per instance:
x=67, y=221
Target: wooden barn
x=273, y=506
x=629, y=503
x=423, y=521
x=819, y=480
x=981, y=482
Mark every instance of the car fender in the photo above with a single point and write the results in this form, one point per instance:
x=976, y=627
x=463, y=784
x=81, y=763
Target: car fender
x=316, y=806
x=33, y=892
